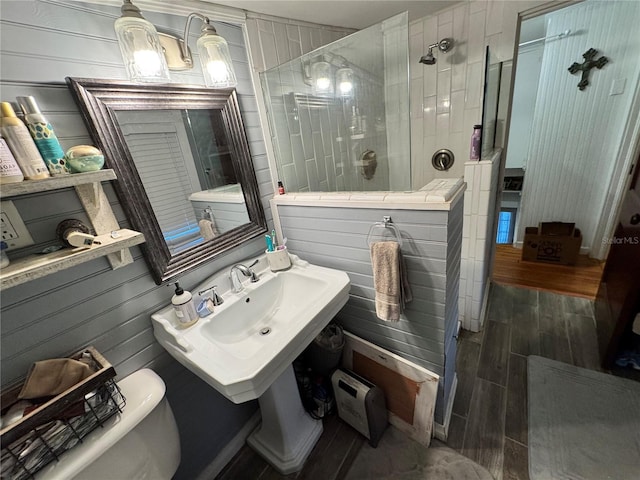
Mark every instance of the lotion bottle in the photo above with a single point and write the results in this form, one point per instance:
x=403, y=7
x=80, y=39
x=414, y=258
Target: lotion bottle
x=184, y=306
x=9, y=170
x=21, y=144
x=475, y=143
x=44, y=137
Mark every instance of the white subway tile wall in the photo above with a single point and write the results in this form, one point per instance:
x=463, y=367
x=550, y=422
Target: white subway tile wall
x=477, y=227
x=446, y=98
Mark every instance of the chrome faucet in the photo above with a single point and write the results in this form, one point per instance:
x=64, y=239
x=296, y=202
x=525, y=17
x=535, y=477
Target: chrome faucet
x=236, y=283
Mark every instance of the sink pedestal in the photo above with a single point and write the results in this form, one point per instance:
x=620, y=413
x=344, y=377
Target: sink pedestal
x=287, y=433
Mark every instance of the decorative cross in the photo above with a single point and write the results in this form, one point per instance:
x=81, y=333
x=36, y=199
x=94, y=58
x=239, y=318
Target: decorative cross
x=586, y=67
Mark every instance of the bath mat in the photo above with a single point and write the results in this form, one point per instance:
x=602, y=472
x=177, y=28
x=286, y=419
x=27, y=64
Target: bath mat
x=583, y=424
x=398, y=457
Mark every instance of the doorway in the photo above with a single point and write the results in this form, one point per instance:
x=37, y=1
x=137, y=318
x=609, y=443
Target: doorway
x=570, y=148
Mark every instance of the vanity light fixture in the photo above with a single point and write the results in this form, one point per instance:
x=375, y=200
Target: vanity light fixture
x=212, y=49
x=140, y=46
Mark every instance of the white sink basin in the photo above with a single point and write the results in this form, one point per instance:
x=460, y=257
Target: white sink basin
x=249, y=340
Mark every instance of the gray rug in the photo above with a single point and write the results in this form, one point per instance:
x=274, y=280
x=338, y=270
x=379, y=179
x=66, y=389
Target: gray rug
x=397, y=457
x=582, y=424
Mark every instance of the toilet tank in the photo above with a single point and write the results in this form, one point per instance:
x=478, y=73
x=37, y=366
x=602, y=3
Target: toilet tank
x=141, y=443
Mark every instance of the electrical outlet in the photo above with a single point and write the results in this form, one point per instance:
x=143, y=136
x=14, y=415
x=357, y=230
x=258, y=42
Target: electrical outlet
x=13, y=229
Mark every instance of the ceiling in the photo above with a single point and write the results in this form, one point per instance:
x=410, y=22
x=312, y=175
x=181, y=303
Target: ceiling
x=342, y=13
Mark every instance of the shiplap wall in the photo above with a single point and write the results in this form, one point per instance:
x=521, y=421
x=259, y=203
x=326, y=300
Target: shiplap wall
x=42, y=42
x=337, y=238
x=577, y=134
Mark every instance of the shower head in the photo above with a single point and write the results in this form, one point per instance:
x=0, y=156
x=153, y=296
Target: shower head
x=428, y=59
x=443, y=45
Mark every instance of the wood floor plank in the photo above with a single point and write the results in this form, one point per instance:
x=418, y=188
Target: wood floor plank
x=245, y=464
x=581, y=306
x=500, y=304
x=524, y=331
x=457, y=426
x=484, y=438
x=516, y=461
x=516, y=419
x=466, y=367
x=554, y=342
x=494, y=353
x=325, y=464
x=583, y=340
x=471, y=336
x=524, y=296
x=581, y=279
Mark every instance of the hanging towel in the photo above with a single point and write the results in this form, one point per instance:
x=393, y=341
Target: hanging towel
x=389, y=280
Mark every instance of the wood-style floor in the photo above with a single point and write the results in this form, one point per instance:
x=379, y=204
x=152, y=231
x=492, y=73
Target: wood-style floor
x=581, y=280
x=330, y=459
x=489, y=421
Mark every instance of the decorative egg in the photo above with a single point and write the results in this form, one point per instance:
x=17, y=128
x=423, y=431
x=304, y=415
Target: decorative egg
x=84, y=158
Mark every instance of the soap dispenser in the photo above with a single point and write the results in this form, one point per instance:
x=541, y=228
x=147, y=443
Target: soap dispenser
x=184, y=306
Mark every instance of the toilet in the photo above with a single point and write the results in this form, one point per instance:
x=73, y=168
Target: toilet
x=141, y=443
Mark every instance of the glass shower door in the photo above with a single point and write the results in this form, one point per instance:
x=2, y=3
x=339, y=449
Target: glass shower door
x=339, y=116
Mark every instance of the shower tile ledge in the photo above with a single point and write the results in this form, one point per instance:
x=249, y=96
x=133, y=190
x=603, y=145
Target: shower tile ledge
x=418, y=200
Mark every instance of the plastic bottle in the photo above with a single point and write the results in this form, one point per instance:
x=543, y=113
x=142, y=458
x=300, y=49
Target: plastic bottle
x=44, y=137
x=475, y=142
x=9, y=170
x=184, y=306
x=4, y=259
x=21, y=144
x=280, y=188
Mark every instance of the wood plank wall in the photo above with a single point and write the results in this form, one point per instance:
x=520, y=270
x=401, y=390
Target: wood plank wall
x=43, y=42
x=336, y=237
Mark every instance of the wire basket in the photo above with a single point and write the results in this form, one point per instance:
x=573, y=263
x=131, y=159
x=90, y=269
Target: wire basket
x=62, y=423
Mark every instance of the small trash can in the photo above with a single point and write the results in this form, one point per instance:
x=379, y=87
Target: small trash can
x=325, y=352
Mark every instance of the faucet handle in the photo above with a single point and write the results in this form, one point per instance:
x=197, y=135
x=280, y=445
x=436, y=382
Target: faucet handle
x=217, y=299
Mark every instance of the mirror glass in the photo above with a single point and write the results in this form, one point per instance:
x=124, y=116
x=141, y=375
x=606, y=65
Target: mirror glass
x=492, y=76
x=186, y=167
x=185, y=176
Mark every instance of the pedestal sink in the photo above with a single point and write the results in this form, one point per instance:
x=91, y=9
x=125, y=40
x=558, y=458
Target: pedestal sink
x=246, y=347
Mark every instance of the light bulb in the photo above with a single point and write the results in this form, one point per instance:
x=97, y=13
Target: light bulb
x=148, y=62
x=345, y=80
x=323, y=83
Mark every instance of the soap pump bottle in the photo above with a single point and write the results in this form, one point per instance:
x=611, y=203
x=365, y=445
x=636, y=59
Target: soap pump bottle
x=43, y=136
x=184, y=306
x=21, y=144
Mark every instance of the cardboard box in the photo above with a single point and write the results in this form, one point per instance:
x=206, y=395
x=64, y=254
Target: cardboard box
x=552, y=242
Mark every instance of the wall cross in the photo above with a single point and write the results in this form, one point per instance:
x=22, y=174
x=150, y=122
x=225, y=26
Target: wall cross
x=587, y=65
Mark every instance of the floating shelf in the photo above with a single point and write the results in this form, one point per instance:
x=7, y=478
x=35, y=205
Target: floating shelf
x=55, y=183
x=114, y=242
x=36, y=266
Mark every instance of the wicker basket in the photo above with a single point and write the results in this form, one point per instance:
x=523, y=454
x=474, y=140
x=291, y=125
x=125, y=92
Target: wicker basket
x=49, y=431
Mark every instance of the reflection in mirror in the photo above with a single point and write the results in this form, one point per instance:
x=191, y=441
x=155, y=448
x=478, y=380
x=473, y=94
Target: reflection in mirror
x=185, y=165
x=492, y=76
x=185, y=176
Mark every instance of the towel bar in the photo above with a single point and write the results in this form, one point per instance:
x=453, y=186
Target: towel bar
x=386, y=223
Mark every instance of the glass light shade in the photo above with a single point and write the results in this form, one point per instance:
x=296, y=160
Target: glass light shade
x=321, y=74
x=345, y=82
x=215, y=58
x=141, y=50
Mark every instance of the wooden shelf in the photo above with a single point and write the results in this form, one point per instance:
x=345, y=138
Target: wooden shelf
x=36, y=266
x=88, y=186
x=54, y=183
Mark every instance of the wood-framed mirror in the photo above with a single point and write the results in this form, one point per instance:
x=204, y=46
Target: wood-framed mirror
x=185, y=175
